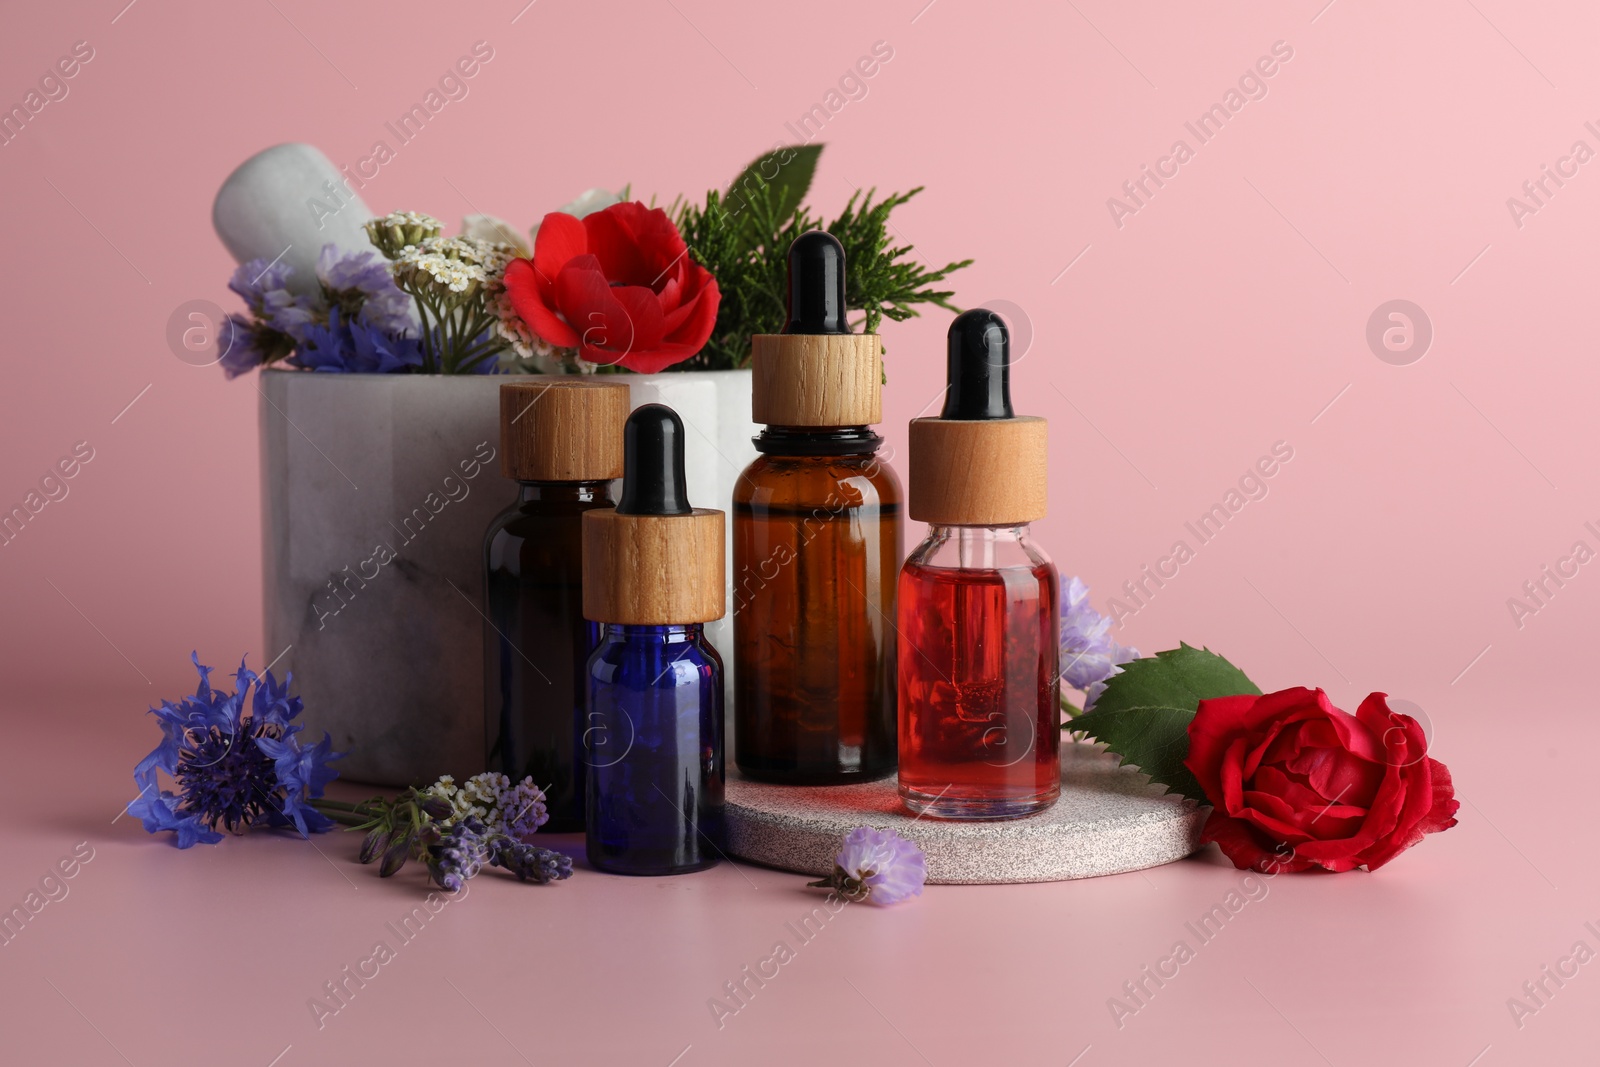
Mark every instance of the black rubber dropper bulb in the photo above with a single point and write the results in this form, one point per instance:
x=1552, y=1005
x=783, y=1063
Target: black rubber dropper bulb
x=652, y=463
x=816, y=284
x=979, y=348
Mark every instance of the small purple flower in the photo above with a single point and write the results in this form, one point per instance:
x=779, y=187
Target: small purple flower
x=351, y=347
x=361, y=284
x=1089, y=654
x=878, y=866
x=529, y=862
x=522, y=807
x=459, y=853
x=233, y=769
x=265, y=290
x=236, y=342
x=246, y=345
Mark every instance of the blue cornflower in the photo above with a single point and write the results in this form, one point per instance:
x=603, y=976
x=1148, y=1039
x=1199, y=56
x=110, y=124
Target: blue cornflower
x=348, y=346
x=1089, y=654
x=233, y=768
x=302, y=773
x=361, y=283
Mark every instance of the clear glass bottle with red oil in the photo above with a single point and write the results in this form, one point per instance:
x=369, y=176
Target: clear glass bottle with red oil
x=817, y=542
x=979, y=615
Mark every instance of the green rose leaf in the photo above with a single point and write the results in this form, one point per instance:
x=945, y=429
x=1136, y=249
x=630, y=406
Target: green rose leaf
x=1144, y=714
x=785, y=182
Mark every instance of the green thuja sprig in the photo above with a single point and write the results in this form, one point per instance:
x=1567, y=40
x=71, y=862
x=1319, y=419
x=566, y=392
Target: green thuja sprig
x=743, y=239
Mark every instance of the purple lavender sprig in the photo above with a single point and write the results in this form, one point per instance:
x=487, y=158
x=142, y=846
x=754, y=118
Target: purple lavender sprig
x=459, y=853
x=529, y=863
x=457, y=830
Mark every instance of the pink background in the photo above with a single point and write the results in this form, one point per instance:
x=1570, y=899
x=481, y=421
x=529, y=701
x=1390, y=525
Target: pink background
x=1227, y=314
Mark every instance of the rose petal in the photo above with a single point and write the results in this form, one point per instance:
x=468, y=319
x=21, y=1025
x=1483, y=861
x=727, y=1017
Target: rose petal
x=1212, y=732
x=528, y=300
x=1338, y=775
x=1230, y=778
x=603, y=323
x=693, y=332
x=1297, y=794
x=644, y=313
x=1248, y=849
x=1271, y=815
x=671, y=296
x=561, y=238
x=1399, y=738
x=614, y=238
x=1442, y=811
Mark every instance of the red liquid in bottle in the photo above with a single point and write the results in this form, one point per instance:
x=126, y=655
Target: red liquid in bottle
x=980, y=704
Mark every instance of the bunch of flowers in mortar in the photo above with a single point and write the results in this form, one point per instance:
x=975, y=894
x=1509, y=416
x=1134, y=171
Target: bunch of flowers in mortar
x=605, y=284
x=415, y=302
x=355, y=319
x=458, y=285
x=613, y=285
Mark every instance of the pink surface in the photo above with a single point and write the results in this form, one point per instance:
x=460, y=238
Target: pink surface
x=214, y=955
x=1228, y=313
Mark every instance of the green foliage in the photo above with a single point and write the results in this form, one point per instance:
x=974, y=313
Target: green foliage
x=1144, y=714
x=397, y=830
x=743, y=237
x=781, y=184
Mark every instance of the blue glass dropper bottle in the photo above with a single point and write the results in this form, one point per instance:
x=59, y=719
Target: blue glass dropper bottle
x=653, y=575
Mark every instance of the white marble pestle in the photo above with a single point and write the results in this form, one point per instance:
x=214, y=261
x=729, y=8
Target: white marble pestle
x=283, y=204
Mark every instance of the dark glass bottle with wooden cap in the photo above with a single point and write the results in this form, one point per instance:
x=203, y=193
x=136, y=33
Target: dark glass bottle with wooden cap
x=562, y=442
x=979, y=615
x=817, y=541
x=653, y=575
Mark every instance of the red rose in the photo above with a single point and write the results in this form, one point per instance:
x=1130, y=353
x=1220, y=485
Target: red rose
x=619, y=286
x=1295, y=783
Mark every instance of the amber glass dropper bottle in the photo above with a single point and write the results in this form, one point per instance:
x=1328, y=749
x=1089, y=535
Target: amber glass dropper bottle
x=817, y=542
x=562, y=442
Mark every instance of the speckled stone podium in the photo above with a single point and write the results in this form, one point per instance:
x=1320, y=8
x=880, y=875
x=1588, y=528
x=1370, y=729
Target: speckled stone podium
x=1109, y=819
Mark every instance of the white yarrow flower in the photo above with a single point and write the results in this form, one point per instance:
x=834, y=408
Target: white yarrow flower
x=493, y=230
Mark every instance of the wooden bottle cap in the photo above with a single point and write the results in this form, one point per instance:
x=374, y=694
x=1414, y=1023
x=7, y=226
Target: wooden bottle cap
x=562, y=429
x=820, y=379
x=653, y=570
x=980, y=472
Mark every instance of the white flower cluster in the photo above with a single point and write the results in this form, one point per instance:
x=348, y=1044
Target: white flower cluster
x=455, y=264
x=402, y=230
x=410, y=218
x=510, y=327
x=516, y=810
